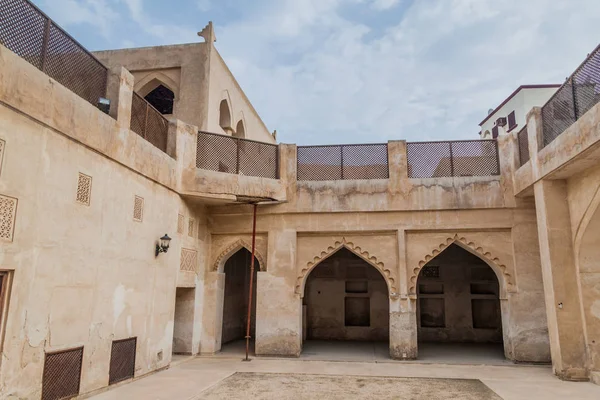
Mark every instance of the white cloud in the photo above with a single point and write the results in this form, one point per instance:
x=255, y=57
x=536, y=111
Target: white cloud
x=163, y=33
x=98, y=13
x=318, y=77
x=384, y=4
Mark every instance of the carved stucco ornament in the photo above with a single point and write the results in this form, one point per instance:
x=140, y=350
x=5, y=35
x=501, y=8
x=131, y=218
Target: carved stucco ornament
x=357, y=250
x=230, y=249
x=475, y=249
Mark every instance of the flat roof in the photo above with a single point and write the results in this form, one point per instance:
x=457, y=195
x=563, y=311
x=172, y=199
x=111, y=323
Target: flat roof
x=552, y=85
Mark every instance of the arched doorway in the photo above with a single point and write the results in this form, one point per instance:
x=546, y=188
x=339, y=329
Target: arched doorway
x=345, y=309
x=458, y=309
x=235, y=302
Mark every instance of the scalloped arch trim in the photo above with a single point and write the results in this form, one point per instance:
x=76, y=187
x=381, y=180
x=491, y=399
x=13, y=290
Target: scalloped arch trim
x=365, y=255
x=477, y=250
x=232, y=248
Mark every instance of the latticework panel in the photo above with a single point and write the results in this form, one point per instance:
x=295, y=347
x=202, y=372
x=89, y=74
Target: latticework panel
x=258, y=159
x=523, y=142
x=237, y=156
x=360, y=161
x=138, y=209
x=157, y=129
x=365, y=161
x=22, y=30
x=319, y=163
x=84, y=189
x=475, y=158
x=452, y=158
x=586, y=83
x=558, y=113
x=8, y=212
x=122, y=360
x=26, y=31
x=74, y=67
x=189, y=260
x=138, y=114
x=574, y=98
x=147, y=122
x=62, y=374
x=428, y=159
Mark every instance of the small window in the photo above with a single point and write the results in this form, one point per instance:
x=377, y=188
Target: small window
x=512, y=121
x=495, y=132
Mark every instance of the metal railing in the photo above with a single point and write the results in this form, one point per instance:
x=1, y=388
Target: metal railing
x=346, y=161
x=237, y=156
x=28, y=32
x=148, y=122
x=452, y=158
x=523, y=143
x=575, y=97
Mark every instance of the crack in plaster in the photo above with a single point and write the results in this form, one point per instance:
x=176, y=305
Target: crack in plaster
x=477, y=250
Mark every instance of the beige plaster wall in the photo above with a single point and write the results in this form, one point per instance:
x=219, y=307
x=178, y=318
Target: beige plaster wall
x=224, y=86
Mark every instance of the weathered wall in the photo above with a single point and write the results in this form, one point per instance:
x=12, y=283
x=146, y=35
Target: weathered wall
x=85, y=272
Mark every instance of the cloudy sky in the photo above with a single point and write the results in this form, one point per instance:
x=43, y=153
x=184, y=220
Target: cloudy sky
x=354, y=71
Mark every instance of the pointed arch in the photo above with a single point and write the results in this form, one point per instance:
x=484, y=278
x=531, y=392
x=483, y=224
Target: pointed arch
x=505, y=280
x=363, y=254
x=231, y=249
x=226, y=112
x=152, y=80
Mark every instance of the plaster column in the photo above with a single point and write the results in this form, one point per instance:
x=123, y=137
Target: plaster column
x=403, y=316
x=403, y=329
x=212, y=317
x=398, y=167
x=278, y=307
x=559, y=273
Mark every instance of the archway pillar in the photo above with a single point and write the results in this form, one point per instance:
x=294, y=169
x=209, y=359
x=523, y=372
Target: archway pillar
x=212, y=316
x=403, y=328
x=278, y=307
x=559, y=273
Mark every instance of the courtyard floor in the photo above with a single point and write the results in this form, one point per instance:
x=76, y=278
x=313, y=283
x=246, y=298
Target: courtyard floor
x=225, y=376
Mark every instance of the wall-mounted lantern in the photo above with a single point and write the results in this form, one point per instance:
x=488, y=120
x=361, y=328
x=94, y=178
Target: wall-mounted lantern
x=163, y=245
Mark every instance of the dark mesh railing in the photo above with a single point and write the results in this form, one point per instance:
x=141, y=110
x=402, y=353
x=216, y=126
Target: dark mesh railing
x=348, y=161
x=452, y=158
x=575, y=97
x=237, y=156
x=62, y=374
x=148, y=122
x=523, y=142
x=28, y=32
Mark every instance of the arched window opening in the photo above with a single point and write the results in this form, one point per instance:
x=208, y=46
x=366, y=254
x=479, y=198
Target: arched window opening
x=240, y=131
x=459, y=305
x=162, y=99
x=346, y=300
x=235, y=301
x=225, y=116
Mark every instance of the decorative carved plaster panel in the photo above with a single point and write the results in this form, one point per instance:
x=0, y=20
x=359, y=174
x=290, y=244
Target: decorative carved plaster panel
x=475, y=249
x=387, y=273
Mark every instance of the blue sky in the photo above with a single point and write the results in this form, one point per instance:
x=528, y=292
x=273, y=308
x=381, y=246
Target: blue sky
x=354, y=71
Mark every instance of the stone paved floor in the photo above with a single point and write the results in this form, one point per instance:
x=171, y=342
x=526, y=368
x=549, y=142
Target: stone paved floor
x=194, y=378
